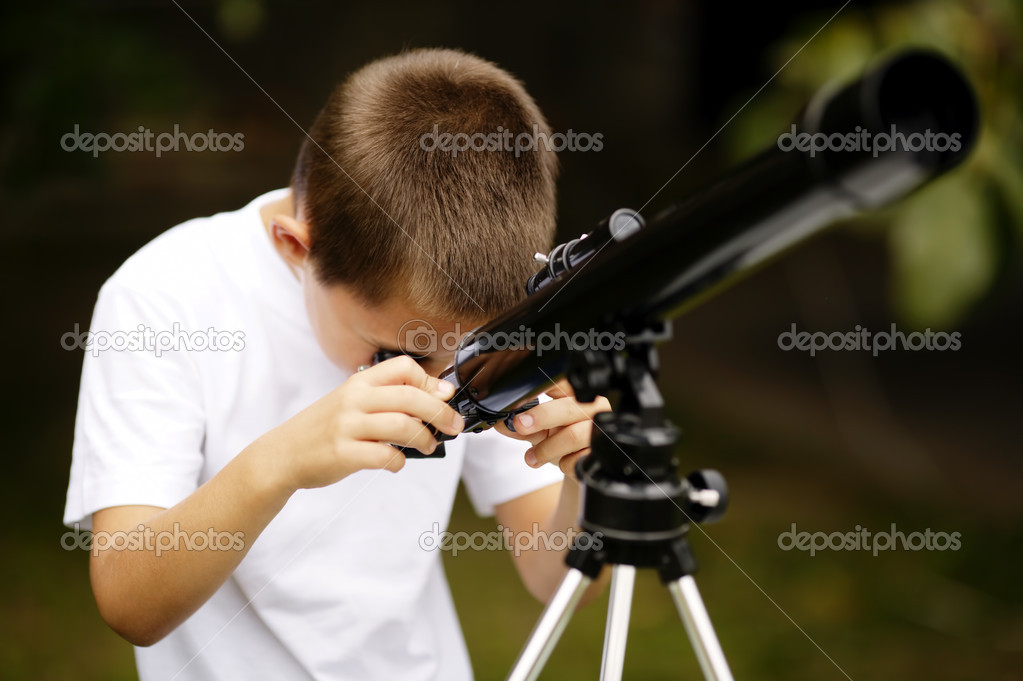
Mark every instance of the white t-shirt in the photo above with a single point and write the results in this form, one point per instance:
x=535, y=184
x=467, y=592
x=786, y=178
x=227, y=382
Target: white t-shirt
x=339, y=585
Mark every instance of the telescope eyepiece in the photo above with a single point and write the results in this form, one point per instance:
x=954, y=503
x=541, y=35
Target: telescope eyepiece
x=569, y=255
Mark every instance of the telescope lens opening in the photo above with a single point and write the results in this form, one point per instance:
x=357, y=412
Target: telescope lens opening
x=922, y=91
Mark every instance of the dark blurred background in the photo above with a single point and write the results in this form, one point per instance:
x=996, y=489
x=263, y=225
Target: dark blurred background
x=918, y=439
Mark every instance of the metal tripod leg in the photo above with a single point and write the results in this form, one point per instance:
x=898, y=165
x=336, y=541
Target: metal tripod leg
x=548, y=630
x=698, y=627
x=617, y=631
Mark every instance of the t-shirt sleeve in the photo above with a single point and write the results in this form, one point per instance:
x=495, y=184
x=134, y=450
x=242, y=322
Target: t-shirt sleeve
x=495, y=472
x=140, y=423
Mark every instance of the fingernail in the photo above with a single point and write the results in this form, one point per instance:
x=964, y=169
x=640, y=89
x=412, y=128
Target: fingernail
x=457, y=422
x=525, y=421
x=445, y=389
x=530, y=457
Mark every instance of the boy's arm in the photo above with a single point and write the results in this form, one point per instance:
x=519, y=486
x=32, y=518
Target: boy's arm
x=144, y=596
x=555, y=509
x=559, y=431
x=144, y=592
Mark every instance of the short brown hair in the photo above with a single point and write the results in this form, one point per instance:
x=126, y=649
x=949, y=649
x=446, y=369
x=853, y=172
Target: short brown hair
x=451, y=234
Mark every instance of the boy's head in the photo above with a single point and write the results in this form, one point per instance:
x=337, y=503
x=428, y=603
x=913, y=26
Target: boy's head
x=393, y=221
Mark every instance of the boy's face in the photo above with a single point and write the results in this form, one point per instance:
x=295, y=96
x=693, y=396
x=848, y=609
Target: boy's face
x=350, y=333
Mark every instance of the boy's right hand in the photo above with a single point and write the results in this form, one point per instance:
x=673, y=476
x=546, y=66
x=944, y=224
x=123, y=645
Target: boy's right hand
x=352, y=428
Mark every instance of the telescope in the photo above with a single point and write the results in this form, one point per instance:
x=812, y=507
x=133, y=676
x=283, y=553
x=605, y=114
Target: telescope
x=626, y=273
x=601, y=304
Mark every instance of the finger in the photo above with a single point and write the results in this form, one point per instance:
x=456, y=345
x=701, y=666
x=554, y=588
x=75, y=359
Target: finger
x=404, y=370
x=394, y=428
x=504, y=430
x=568, y=463
x=376, y=455
x=560, y=389
x=533, y=438
x=569, y=440
x=559, y=412
x=414, y=402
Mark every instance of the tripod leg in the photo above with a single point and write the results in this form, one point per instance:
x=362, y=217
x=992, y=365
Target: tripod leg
x=548, y=629
x=701, y=632
x=617, y=631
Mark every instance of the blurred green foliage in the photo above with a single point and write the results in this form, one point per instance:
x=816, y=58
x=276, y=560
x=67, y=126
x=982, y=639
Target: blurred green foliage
x=952, y=243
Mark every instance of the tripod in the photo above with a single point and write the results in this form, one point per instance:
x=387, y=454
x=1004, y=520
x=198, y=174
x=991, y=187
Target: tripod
x=636, y=510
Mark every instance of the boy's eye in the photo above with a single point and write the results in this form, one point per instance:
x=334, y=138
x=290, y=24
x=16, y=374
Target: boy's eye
x=384, y=355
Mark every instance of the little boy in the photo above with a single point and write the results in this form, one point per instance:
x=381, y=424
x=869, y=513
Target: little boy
x=242, y=525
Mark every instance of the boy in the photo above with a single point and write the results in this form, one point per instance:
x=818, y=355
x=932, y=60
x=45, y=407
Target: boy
x=243, y=527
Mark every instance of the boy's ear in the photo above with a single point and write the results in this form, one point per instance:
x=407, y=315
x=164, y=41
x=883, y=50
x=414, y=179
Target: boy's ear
x=291, y=239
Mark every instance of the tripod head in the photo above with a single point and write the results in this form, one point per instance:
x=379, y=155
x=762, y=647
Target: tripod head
x=632, y=495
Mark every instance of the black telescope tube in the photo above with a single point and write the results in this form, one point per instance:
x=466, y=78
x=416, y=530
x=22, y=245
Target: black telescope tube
x=694, y=249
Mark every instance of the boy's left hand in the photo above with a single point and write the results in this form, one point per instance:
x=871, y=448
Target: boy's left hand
x=559, y=430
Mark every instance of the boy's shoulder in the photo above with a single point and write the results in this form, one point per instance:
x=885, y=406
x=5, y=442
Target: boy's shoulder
x=190, y=259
